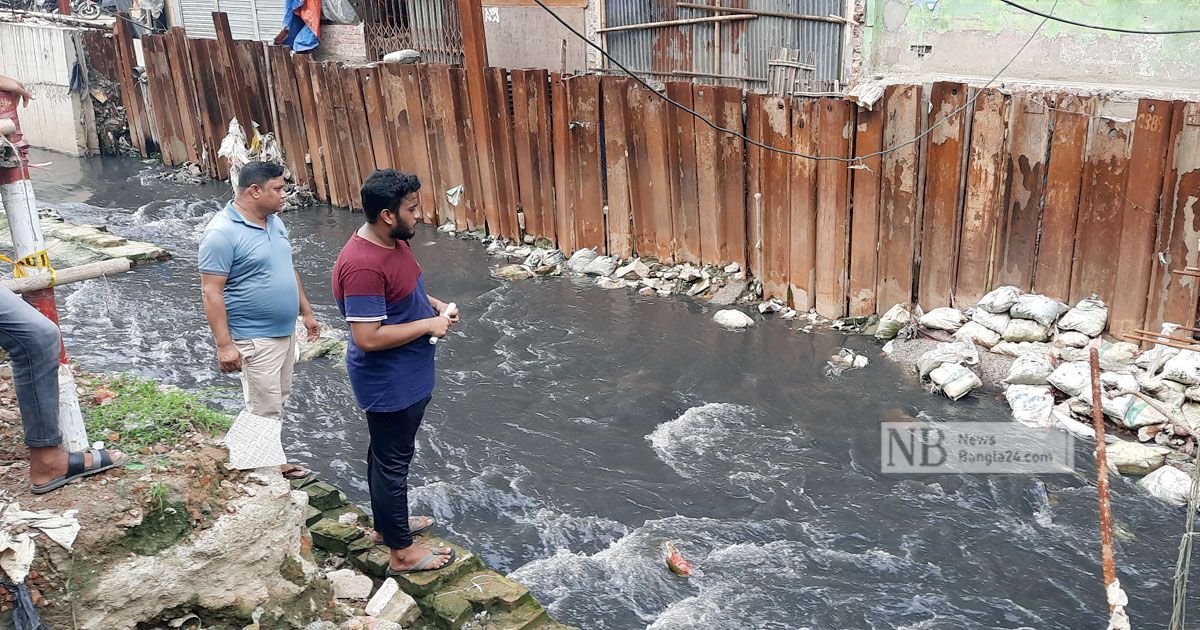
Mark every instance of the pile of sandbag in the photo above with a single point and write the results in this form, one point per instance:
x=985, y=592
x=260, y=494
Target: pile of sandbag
x=947, y=366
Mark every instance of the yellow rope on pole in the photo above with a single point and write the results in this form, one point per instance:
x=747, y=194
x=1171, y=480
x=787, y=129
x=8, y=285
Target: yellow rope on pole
x=36, y=260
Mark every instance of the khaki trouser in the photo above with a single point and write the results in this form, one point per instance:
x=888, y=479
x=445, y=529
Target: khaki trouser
x=267, y=373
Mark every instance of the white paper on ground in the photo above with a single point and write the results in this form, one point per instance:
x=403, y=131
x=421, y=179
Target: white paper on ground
x=255, y=442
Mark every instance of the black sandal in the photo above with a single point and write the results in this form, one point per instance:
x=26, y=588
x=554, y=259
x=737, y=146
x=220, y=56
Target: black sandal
x=76, y=469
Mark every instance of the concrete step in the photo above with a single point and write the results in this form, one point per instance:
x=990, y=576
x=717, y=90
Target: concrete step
x=490, y=591
x=374, y=563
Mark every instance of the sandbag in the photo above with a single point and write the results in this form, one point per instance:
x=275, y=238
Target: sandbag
x=1038, y=308
x=995, y=322
x=1169, y=484
x=959, y=352
x=1155, y=358
x=1067, y=420
x=999, y=300
x=1019, y=330
x=893, y=321
x=1071, y=378
x=1118, y=352
x=1016, y=349
x=1031, y=405
x=1071, y=339
x=1139, y=413
x=1183, y=368
x=1029, y=369
x=955, y=381
x=1192, y=394
x=977, y=334
x=1169, y=392
x=1089, y=317
x=944, y=318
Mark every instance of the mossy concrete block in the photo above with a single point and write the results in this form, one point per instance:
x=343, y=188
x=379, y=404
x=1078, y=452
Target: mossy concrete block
x=301, y=482
x=334, y=536
x=323, y=496
x=364, y=543
x=311, y=516
x=336, y=514
x=488, y=590
x=525, y=617
x=449, y=609
x=423, y=583
x=373, y=562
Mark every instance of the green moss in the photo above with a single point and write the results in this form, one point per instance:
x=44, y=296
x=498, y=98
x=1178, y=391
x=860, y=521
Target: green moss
x=145, y=414
x=165, y=525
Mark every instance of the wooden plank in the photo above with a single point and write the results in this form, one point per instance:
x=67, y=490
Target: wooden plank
x=1025, y=172
x=252, y=74
x=445, y=129
x=864, y=219
x=833, y=206
x=312, y=133
x=232, y=70
x=774, y=182
x=523, y=146
x=1173, y=297
x=377, y=129
x=1064, y=176
x=583, y=109
x=639, y=180
x=755, y=114
x=1101, y=206
x=291, y=117
x=660, y=208
x=356, y=123
x=615, y=91
x=131, y=95
x=503, y=155
x=465, y=137
x=731, y=160
x=436, y=141
x=410, y=149
x=1140, y=216
x=898, y=200
x=943, y=195
x=708, y=175
x=543, y=152
x=475, y=59
x=161, y=92
x=564, y=174
x=802, y=275
x=983, y=199
x=179, y=58
x=681, y=151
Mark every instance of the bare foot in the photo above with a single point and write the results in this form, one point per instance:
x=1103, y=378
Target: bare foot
x=410, y=557
x=50, y=462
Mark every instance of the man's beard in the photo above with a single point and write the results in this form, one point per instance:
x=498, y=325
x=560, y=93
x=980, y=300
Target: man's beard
x=401, y=233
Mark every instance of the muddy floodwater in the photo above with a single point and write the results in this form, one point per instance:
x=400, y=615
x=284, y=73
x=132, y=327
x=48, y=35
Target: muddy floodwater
x=575, y=430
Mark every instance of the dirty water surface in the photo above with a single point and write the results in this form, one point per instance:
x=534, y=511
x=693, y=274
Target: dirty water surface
x=574, y=431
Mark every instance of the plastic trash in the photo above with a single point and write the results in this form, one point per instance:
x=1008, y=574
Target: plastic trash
x=977, y=334
x=676, y=562
x=1089, y=317
x=999, y=300
x=995, y=322
x=1031, y=405
x=339, y=12
x=955, y=381
x=1039, y=308
x=944, y=318
x=1029, y=369
x=1019, y=330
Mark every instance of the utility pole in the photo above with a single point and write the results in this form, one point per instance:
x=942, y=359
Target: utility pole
x=475, y=62
x=20, y=205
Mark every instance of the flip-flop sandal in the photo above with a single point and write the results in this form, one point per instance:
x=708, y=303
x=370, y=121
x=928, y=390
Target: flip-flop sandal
x=377, y=539
x=423, y=565
x=101, y=461
x=299, y=472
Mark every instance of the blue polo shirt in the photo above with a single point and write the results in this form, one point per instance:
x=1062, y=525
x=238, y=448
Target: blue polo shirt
x=261, y=295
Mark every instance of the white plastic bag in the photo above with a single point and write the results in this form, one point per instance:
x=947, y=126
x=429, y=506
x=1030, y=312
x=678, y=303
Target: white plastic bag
x=1183, y=368
x=1039, y=308
x=1031, y=405
x=944, y=318
x=999, y=300
x=1025, y=330
x=1169, y=484
x=977, y=334
x=954, y=380
x=1089, y=317
x=995, y=322
x=1029, y=369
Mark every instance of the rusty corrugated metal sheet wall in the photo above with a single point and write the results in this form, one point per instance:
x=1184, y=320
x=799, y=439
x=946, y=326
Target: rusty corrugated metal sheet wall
x=745, y=45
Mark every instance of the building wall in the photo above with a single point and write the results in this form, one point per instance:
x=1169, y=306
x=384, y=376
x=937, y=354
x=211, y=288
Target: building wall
x=42, y=57
x=928, y=39
x=521, y=34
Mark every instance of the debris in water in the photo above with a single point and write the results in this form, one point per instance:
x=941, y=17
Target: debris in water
x=676, y=562
x=845, y=359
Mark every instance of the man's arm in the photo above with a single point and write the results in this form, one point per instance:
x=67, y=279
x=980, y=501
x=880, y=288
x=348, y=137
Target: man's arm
x=212, y=288
x=11, y=85
x=306, y=312
x=440, y=307
x=375, y=336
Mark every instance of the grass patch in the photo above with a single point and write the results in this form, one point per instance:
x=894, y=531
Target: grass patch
x=145, y=414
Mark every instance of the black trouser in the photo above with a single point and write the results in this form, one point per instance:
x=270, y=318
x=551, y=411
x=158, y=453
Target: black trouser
x=393, y=443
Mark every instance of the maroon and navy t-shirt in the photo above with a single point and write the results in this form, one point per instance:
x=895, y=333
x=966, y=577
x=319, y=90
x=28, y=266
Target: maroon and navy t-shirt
x=372, y=283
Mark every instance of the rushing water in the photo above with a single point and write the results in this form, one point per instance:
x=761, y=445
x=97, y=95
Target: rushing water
x=575, y=430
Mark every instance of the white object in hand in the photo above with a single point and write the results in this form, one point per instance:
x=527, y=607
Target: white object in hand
x=451, y=311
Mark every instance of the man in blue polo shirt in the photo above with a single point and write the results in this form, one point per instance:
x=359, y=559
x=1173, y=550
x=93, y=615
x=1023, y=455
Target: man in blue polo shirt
x=252, y=292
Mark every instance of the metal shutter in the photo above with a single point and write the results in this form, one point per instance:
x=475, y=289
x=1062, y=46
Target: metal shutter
x=248, y=19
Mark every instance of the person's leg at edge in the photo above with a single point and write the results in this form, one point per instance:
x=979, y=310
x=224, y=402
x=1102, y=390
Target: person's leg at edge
x=267, y=377
x=285, y=387
x=391, y=450
x=32, y=340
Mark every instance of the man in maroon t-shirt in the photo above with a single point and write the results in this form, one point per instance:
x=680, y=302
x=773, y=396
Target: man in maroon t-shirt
x=380, y=291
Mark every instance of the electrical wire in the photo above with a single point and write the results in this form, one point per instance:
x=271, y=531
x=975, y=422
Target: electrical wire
x=1113, y=29
x=856, y=160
